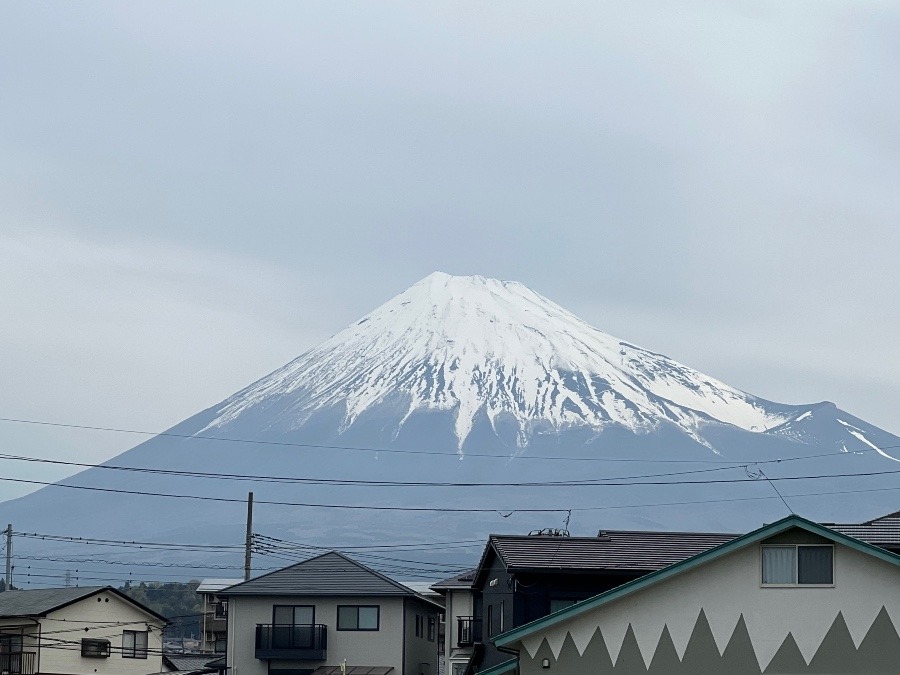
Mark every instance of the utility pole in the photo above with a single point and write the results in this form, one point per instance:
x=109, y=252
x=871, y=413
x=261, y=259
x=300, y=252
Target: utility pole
x=247, y=542
x=9, y=557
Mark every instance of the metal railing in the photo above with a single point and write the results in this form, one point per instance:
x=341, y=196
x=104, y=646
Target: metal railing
x=17, y=663
x=300, y=641
x=468, y=631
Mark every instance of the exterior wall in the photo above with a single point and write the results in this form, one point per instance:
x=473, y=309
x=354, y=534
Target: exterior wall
x=459, y=603
x=212, y=627
x=106, y=616
x=719, y=618
x=383, y=647
x=421, y=653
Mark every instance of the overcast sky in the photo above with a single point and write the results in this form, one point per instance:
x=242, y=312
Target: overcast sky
x=193, y=193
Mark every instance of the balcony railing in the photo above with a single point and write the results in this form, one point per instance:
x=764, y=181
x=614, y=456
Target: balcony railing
x=306, y=642
x=17, y=663
x=468, y=631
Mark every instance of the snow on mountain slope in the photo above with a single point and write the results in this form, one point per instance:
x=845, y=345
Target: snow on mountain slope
x=469, y=344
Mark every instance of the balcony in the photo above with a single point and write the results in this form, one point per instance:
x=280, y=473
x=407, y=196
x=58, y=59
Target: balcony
x=306, y=642
x=17, y=663
x=468, y=631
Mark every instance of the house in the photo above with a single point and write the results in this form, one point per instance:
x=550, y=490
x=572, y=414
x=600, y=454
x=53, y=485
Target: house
x=214, y=612
x=790, y=597
x=522, y=578
x=458, y=638
x=327, y=612
x=78, y=630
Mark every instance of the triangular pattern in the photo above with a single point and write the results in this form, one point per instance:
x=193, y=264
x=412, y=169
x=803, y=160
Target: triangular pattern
x=739, y=657
x=701, y=647
x=788, y=660
x=596, y=655
x=665, y=659
x=878, y=652
x=630, y=660
x=836, y=653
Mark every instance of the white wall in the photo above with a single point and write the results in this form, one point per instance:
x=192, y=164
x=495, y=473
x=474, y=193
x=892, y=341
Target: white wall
x=105, y=616
x=730, y=587
x=383, y=647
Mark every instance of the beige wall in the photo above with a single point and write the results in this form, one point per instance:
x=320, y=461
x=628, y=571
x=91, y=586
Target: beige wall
x=459, y=603
x=383, y=647
x=105, y=620
x=729, y=588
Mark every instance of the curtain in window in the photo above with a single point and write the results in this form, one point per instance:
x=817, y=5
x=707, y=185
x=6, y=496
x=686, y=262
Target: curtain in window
x=815, y=564
x=779, y=565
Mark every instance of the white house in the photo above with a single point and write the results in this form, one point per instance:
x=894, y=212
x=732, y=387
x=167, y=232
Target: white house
x=326, y=613
x=75, y=631
x=790, y=597
x=462, y=631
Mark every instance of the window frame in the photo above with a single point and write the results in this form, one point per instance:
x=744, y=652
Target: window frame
x=135, y=652
x=97, y=648
x=797, y=583
x=377, y=609
x=294, y=608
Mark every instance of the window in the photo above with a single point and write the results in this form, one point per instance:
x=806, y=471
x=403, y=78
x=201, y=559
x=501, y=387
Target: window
x=502, y=612
x=801, y=565
x=458, y=669
x=98, y=649
x=293, y=615
x=357, y=617
x=420, y=626
x=221, y=610
x=490, y=620
x=134, y=644
x=432, y=628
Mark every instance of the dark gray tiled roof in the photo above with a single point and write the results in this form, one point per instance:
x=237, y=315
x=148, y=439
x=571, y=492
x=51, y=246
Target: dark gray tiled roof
x=189, y=662
x=327, y=574
x=612, y=550
x=884, y=530
x=463, y=580
x=39, y=601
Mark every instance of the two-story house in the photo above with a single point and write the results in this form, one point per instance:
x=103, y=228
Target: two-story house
x=523, y=578
x=328, y=613
x=78, y=631
x=791, y=597
x=461, y=632
x=214, y=614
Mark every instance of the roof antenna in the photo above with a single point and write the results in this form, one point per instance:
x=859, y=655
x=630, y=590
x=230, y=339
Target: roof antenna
x=566, y=521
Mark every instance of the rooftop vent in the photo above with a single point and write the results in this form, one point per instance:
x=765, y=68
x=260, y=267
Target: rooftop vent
x=549, y=532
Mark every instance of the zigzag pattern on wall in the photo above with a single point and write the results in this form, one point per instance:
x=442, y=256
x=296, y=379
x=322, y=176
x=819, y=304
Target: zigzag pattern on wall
x=837, y=654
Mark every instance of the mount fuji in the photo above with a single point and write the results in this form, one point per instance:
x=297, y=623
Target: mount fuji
x=463, y=381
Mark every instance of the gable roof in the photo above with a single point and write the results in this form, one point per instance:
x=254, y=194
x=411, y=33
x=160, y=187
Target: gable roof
x=614, y=550
x=42, y=601
x=328, y=574
x=765, y=532
x=884, y=530
x=460, y=581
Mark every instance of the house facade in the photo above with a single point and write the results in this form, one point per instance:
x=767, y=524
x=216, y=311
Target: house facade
x=75, y=631
x=214, y=614
x=461, y=631
x=523, y=578
x=327, y=612
x=792, y=597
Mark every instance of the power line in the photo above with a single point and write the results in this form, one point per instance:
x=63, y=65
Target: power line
x=292, y=444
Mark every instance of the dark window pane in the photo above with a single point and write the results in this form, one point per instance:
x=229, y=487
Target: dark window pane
x=347, y=618
x=815, y=564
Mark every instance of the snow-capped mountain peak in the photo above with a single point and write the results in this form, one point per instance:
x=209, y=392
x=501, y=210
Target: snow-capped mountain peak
x=472, y=345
